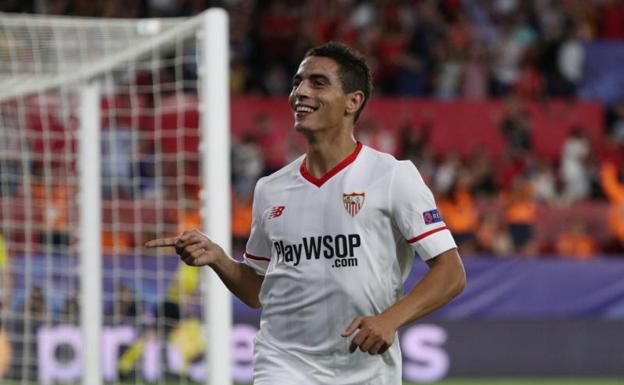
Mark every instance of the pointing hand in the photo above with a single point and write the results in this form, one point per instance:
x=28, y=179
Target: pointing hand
x=193, y=247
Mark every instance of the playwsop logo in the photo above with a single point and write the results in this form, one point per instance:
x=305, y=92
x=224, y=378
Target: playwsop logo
x=340, y=249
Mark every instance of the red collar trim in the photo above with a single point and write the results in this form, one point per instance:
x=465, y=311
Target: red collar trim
x=318, y=182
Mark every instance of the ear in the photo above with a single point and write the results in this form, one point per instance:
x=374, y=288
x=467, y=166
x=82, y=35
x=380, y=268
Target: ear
x=354, y=102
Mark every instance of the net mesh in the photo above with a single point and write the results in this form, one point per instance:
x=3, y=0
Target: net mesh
x=147, y=71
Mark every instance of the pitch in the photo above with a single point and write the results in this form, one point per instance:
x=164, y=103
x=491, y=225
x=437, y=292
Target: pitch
x=477, y=381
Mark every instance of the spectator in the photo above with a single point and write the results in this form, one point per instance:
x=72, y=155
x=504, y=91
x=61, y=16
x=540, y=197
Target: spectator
x=447, y=79
x=55, y=214
x=36, y=305
x=276, y=31
x=125, y=305
x=530, y=83
x=6, y=283
x=241, y=218
x=612, y=15
x=428, y=31
x=570, y=57
x=115, y=242
x=520, y=214
x=493, y=236
x=574, y=166
x=146, y=165
x=544, y=181
x=413, y=141
x=371, y=134
x=71, y=309
x=446, y=173
x=614, y=190
x=5, y=351
x=516, y=128
x=10, y=156
x=615, y=123
x=116, y=161
x=460, y=214
x=187, y=217
x=482, y=174
x=272, y=142
x=391, y=50
x=276, y=81
x=247, y=163
x=575, y=243
x=414, y=144
x=506, y=58
x=556, y=83
x=475, y=77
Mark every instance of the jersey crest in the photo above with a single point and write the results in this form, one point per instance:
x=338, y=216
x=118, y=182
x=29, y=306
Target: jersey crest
x=353, y=202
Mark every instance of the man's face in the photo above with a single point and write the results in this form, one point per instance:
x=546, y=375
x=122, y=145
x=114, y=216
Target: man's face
x=317, y=99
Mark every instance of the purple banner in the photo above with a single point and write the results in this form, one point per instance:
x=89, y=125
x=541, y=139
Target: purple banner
x=496, y=289
x=603, y=77
x=537, y=289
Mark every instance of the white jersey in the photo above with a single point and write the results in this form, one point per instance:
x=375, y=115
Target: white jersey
x=332, y=249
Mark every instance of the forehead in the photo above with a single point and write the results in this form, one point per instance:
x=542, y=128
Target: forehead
x=318, y=65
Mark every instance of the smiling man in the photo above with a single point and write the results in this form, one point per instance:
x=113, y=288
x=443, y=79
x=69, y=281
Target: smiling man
x=333, y=238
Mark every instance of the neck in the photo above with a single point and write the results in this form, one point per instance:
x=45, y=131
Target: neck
x=325, y=153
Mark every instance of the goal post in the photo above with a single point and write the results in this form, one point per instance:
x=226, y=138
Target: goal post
x=214, y=99
x=90, y=207
x=113, y=132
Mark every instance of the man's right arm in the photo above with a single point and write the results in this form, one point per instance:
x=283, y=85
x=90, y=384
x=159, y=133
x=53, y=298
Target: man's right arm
x=196, y=249
x=241, y=279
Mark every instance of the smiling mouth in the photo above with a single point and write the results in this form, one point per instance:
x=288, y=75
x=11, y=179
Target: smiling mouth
x=302, y=111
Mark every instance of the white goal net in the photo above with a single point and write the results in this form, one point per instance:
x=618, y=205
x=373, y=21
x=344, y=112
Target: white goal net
x=109, y=130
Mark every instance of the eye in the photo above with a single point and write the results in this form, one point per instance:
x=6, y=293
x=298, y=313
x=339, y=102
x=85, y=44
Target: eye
x=295, y=83
x=319, y=82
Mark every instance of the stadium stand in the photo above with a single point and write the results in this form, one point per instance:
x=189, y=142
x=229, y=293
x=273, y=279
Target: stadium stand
x=492, y=94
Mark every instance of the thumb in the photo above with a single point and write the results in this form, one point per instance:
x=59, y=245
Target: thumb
x=353, y=326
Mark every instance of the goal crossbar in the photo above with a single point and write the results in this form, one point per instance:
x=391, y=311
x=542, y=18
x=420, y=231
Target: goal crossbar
x=14, y=84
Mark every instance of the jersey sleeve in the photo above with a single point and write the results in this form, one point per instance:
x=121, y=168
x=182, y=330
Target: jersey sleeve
x=258, y=250
x=415, y=213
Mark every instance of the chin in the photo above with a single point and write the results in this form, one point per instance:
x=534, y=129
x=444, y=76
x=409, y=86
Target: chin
x=302, y=127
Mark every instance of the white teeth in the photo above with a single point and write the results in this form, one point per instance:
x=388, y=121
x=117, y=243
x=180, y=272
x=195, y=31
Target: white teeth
x=304, y=109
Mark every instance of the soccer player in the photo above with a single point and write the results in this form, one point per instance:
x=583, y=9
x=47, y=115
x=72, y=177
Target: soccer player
x=333, y=238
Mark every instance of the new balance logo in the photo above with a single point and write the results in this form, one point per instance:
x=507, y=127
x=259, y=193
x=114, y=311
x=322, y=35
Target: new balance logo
x=276, y=211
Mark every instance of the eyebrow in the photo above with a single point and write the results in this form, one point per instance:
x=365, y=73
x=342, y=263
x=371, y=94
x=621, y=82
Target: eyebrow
x=312, y=76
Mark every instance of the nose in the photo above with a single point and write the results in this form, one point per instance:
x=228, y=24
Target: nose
x=302, y=90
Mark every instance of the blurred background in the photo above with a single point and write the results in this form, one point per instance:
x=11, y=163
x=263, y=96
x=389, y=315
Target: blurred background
x=513, y=112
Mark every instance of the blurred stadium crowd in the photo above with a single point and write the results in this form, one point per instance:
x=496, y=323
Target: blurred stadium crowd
x=445, y=49
x=522, y=204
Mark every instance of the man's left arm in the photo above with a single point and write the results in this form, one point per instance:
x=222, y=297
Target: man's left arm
x=445, y=279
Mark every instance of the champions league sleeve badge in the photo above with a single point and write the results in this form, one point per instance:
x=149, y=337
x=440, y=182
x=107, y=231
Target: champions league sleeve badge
x=353, y=202
x=432, y=216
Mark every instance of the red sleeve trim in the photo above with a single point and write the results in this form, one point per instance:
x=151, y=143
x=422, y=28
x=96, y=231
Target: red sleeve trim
x=247, y=255
x=425, y=235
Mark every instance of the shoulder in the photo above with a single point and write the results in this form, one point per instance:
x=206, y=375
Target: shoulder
x=382, y=163
x=280, y=177
x=401, y=178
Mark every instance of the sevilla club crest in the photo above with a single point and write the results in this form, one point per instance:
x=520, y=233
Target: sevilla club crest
x=353, y=202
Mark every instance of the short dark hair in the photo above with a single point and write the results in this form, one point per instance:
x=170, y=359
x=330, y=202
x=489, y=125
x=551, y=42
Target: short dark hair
x=354, y=73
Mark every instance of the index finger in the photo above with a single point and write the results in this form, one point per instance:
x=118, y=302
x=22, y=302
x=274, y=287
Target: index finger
x=353, y=326
x=161, y=242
